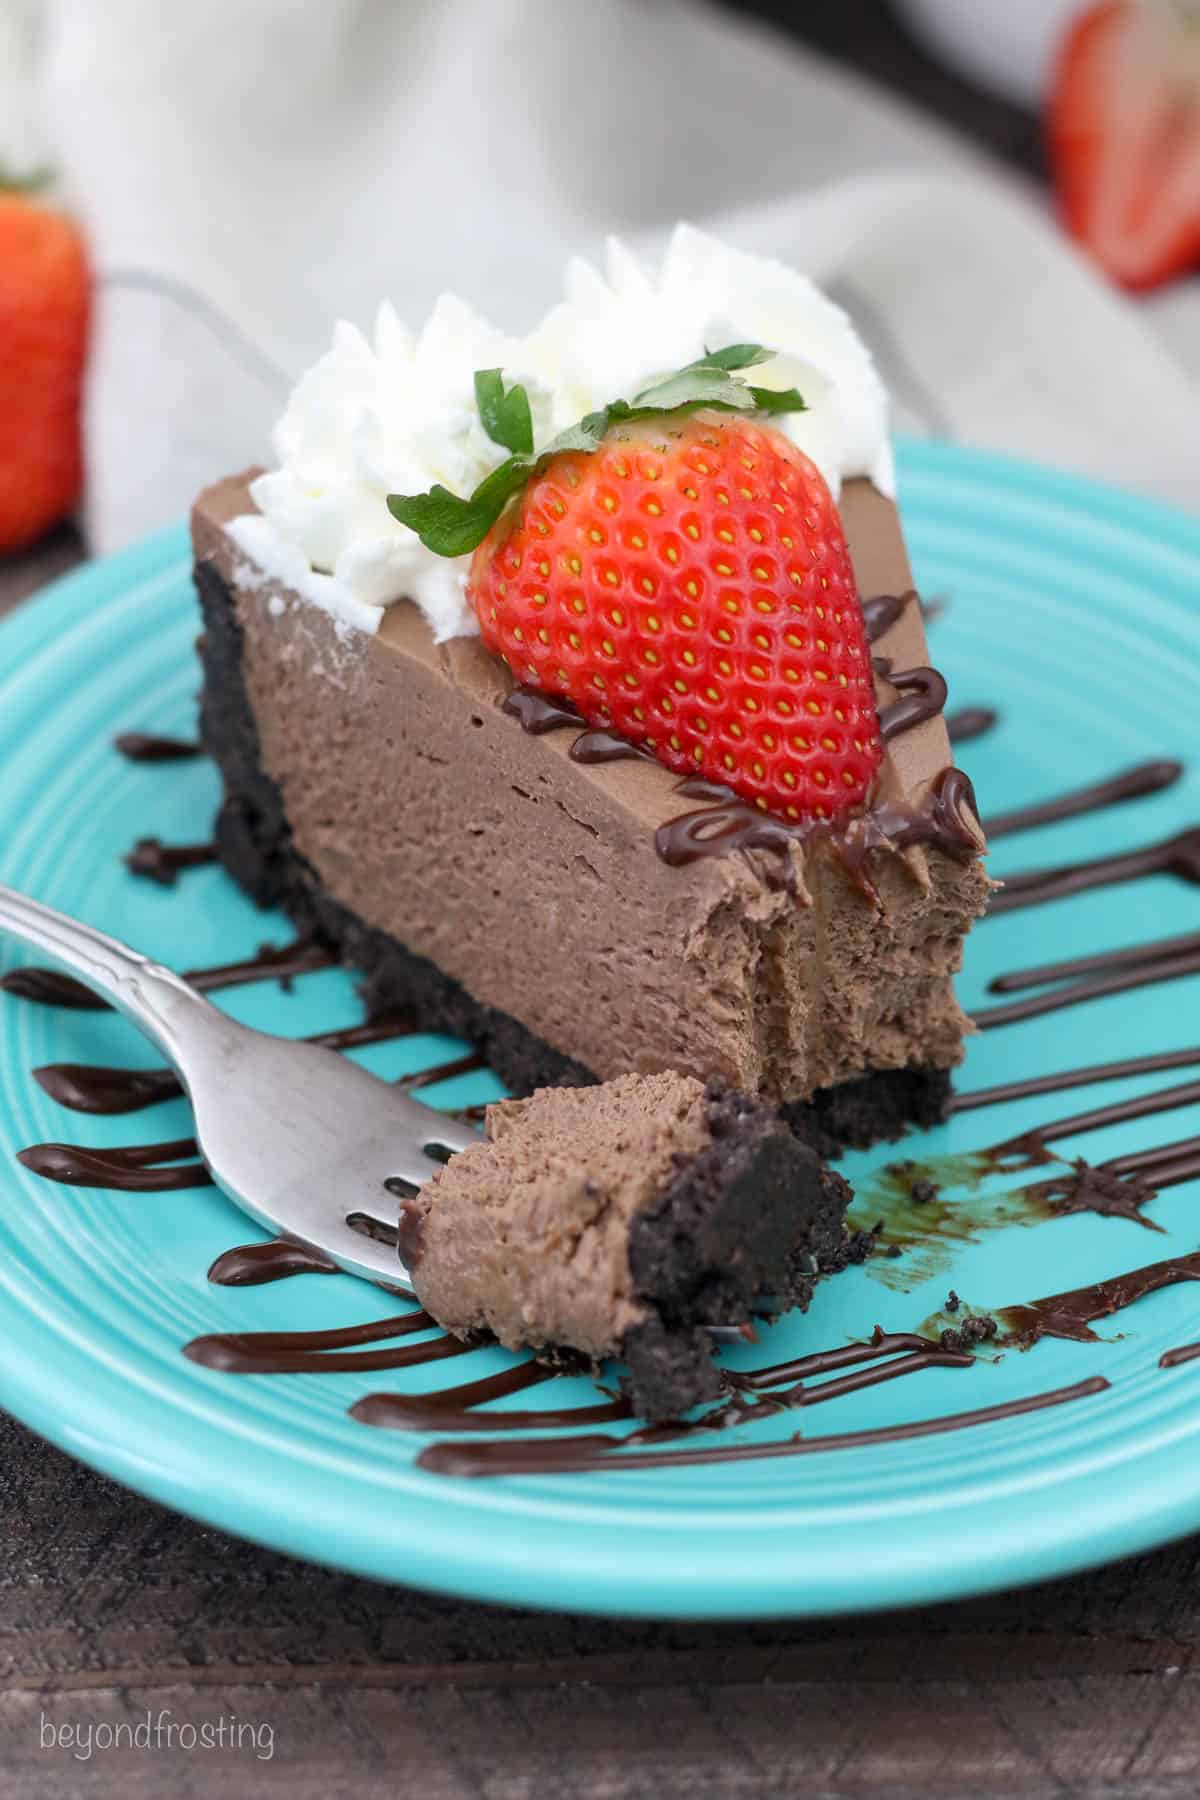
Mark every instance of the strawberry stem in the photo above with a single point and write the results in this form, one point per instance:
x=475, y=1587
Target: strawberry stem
x=33, y=181
x=451, y=526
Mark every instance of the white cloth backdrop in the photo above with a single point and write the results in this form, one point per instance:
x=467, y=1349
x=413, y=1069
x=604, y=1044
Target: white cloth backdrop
x=249, y=170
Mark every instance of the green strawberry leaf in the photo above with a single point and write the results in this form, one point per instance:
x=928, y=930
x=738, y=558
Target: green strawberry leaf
x=505, y=413
x=735, y=356
x=778, y=400
x=30, y=181
x=700, y=385
x=451, y=526
x=586, y=436
x=444, y=523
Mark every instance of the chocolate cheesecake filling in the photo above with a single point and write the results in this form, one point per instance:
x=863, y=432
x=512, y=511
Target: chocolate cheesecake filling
x=506, y=892
x=627, y=1220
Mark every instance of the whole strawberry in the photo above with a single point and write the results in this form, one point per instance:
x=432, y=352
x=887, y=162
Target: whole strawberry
x=43, y=336
x=690, y=589
x=677, y=569
x=1124, y=130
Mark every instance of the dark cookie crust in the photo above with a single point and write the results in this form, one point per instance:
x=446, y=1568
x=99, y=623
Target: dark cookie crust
x=254, y=843
x=747, y=1226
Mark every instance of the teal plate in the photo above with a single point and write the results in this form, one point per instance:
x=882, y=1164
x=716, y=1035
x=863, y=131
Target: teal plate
x=1072, y=610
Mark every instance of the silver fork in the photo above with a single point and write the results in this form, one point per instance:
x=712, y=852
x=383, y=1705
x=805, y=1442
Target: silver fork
x=298, y=1136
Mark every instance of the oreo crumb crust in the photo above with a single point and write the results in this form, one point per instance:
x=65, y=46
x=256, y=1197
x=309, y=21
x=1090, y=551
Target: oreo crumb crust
x=254, y=843
x=750, y=1224
x=975, y=1329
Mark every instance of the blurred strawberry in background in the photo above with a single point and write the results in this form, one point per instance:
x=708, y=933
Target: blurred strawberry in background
x=1124, y=131
x=44, y=305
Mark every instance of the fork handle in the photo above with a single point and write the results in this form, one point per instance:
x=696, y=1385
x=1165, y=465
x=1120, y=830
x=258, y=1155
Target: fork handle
x=157, y=1000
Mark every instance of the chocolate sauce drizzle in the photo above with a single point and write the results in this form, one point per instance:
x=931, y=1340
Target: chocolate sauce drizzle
x=1131, y=784
x=924, y=1208
x=537, y=713
x=970, y=722
x=945, y=819
x=778, y=1387
x=250, y=1265
x=881, y=612
x=1072, y=1315
x=164, y=863
x=605, y=747
x=1070, y=1078
x=729, y=824
x=1177, y=855
x=924, y=695
x=48, y=987
x=90, y=1088
x=141, y=746
x=133, y=1169
x=451, y=1409
x=324, y=1352
x=1080, y=978
x=459, y=1065
x=584, y=1455
x=113, y=1091
x=885, y=1357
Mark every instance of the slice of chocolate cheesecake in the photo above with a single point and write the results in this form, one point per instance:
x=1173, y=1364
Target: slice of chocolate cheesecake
x=627, y=1220
x=515, y=887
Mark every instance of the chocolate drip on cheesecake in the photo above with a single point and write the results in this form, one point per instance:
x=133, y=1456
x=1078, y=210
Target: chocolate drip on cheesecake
x=882, y=611
x=923, y=695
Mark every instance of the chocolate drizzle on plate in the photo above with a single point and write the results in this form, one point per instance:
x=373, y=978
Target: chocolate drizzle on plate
x=885, y=1357
x=1131, y=784
x=324, y=1352
x=250, y=1265
x=144, y=747
x=164, y=863
x=1177, y=855
x=459, y=1065
x=589, y=1454
x=452, y=1409
x=1064, y=1079
x=92, y=1088
x=1072, y=1315
x=132, y=1169
x=1080, y=978
x=924, y=1208
x=970, y=722
x=47, y=987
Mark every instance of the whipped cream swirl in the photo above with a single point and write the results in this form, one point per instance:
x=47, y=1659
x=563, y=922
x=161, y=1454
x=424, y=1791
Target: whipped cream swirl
x=397, y=413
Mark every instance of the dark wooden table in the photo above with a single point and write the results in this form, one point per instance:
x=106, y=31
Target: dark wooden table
x=116, y=1613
